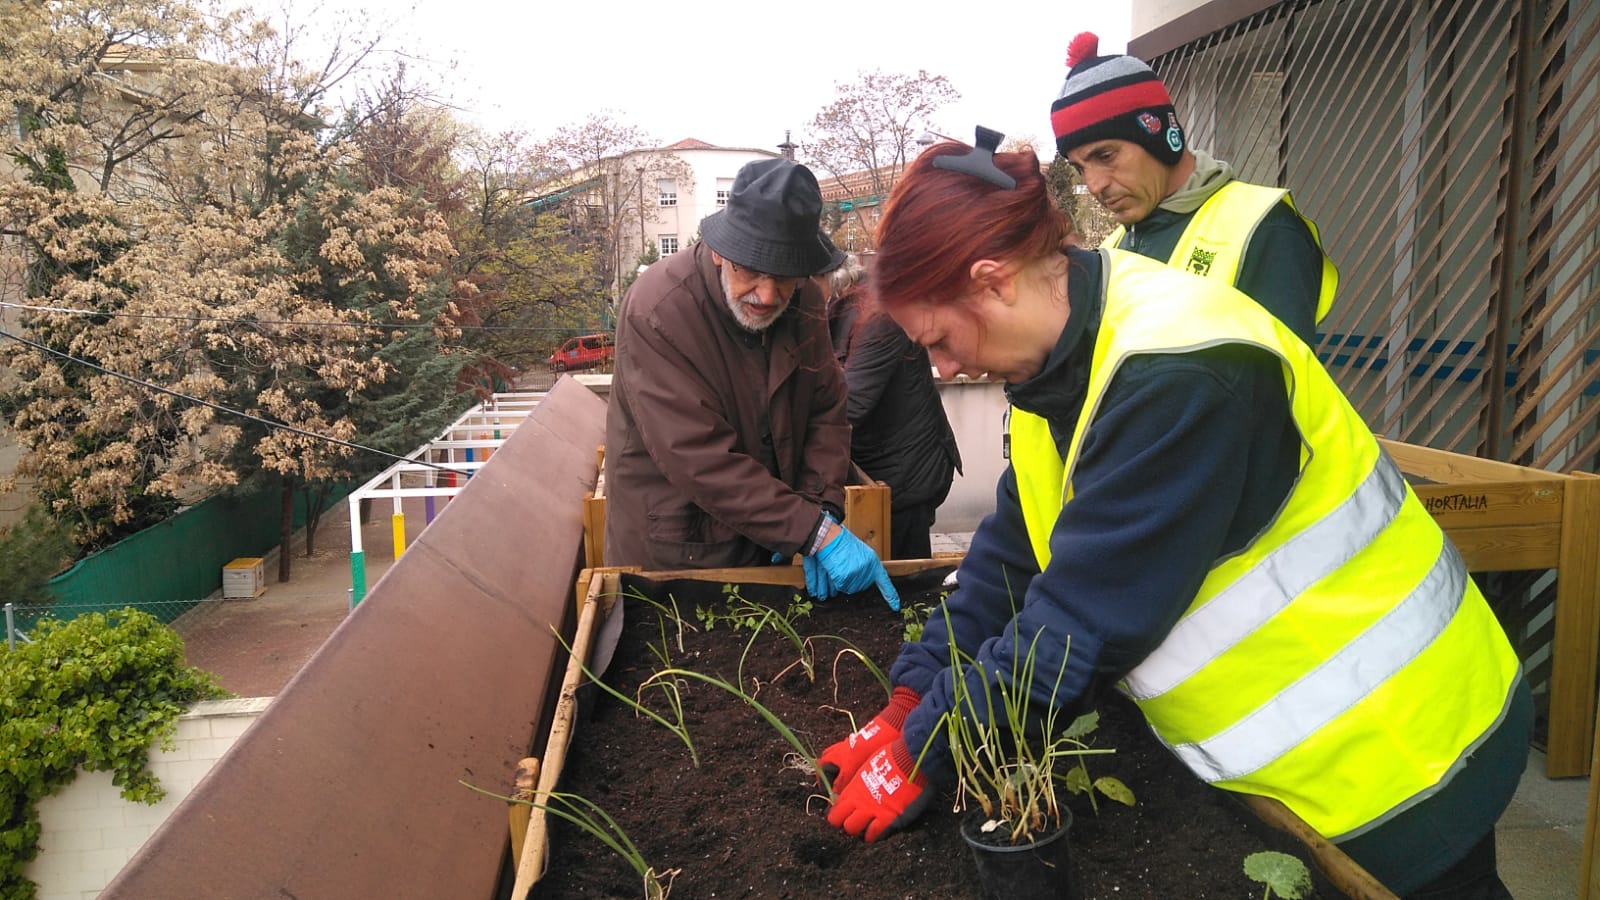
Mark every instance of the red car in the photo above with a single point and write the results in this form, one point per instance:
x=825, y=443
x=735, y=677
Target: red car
x=586, y=351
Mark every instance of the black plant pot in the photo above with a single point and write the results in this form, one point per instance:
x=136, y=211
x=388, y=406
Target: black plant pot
x=1040, y=870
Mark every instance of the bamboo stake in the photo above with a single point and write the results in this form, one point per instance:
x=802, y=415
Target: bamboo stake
x=530, y=867
x=522, y=788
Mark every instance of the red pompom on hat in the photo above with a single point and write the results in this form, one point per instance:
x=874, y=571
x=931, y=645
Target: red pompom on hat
x=1085, y=46
x=1114, y=97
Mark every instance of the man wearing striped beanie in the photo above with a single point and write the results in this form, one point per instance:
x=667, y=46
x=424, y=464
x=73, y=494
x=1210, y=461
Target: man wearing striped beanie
x=1114, y=121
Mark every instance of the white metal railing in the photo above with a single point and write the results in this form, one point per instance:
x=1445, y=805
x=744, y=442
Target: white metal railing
x=439, y=468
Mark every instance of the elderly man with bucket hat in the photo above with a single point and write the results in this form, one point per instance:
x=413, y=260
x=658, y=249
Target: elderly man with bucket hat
x=726, y=437
x=1114, y=121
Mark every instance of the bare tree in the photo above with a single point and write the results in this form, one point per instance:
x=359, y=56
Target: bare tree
x=612, y=171
x=866, y=136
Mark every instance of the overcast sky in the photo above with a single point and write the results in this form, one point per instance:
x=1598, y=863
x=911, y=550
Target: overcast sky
x=737, y=73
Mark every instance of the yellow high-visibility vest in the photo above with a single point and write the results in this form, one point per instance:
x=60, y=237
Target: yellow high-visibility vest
x=1214, y=242
x=1343, y=662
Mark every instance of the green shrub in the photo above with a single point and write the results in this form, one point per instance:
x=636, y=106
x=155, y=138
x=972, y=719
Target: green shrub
x=94, y=693
x=31, y=553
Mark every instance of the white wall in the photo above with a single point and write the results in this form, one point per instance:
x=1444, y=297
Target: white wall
x=977, y=413
x=1148, y=15
x=699, y=199
x=90, y=832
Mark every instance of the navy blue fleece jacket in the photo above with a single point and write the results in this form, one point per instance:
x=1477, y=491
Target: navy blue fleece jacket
x=1188, y=458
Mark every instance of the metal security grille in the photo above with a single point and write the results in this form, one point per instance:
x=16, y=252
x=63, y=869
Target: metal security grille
x=1447, y=150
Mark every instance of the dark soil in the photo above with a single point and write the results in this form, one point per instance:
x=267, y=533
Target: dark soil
x=746, y=823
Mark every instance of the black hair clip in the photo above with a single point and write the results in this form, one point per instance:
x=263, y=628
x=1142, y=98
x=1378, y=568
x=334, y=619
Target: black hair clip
x=979, y=161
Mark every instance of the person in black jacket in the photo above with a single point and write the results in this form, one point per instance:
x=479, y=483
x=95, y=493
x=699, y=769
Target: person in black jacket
x=899, y=433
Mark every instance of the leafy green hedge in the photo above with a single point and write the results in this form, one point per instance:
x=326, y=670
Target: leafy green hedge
x=95, y=693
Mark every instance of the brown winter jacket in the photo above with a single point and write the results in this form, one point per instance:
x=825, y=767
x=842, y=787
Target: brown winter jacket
x=722, y=446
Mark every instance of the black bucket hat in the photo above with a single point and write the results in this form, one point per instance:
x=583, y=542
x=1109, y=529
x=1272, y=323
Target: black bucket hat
x=770, y=223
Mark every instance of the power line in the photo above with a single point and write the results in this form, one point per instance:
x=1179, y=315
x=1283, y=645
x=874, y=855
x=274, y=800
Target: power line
x=278, y=426
x=67, y=310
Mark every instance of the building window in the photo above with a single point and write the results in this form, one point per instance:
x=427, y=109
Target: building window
x=667, y=192
x=724, y=187
x=668, y=244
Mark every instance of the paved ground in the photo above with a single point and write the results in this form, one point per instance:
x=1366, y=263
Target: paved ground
x=255, y=646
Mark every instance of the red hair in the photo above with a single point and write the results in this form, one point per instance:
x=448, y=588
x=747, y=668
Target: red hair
x=938, y=222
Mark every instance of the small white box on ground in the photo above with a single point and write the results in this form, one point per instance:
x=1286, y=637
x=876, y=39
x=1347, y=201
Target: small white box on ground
x=244, y=578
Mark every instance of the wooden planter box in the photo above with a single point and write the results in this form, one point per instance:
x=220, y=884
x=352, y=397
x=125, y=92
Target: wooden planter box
x=596, y=590
x=1506, y=517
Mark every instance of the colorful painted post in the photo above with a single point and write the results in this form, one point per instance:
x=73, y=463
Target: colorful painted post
x=358, y=559
x=427, y=502
x=397, y=521
x=358, y=577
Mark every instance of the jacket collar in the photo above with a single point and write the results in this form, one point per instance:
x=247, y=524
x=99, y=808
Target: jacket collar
x=1057, y=392
x=1209, y=175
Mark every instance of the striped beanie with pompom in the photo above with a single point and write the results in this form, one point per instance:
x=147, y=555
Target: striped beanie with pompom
x=1119, y=97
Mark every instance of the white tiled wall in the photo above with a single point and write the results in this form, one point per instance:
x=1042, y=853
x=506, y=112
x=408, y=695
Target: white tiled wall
x=90, y=832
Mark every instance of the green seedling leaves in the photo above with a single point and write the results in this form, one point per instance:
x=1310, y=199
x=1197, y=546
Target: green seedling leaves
x=1284, y=875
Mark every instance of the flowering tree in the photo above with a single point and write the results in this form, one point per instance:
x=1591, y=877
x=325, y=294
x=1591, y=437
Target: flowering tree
x=230, y=258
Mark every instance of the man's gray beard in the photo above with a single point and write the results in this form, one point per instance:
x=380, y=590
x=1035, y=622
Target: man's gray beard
x=739, y=314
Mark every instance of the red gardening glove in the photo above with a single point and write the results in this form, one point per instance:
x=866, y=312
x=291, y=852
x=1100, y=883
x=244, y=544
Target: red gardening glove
x=884, y=796
x=841, y=760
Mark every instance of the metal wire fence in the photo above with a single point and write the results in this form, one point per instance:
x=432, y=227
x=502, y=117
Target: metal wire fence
x=22, y=620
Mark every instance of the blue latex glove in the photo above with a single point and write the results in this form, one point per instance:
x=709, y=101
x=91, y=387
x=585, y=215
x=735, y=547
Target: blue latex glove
x=847, y=565
x=818, y=584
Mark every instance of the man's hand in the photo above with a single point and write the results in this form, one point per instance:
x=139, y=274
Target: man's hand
x=847, y=565
x=884, y=796
x=841, y=760
x=818, y=584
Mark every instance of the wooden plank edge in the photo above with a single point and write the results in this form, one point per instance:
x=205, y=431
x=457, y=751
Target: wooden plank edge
x=531, y=862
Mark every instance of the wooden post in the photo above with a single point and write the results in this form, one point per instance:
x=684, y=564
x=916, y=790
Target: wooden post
x=594, y=515
x=1577, y=630
x=866, y=514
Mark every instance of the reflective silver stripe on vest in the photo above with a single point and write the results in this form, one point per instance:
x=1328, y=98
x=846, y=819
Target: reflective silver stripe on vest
x=1262, y=592
x=1326, y=693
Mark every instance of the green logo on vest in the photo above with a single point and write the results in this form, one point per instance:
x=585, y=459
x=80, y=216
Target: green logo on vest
x=1200, y=261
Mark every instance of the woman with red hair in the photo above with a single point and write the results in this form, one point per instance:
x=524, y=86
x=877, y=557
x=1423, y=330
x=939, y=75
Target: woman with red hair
x=1195, y=510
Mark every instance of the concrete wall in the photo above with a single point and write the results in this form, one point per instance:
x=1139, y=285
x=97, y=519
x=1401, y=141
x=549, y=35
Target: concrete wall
x=90, y=832
x=977, y=415
x=1148, y=15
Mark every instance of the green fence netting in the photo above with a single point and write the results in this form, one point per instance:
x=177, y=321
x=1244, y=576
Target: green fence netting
x=168, y=568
